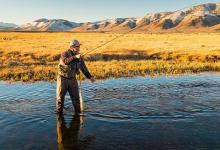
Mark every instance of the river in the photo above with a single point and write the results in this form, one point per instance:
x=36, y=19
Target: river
x=165, y=112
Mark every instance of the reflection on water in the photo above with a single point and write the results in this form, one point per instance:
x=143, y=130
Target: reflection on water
x=68, y=135
x=179, y=112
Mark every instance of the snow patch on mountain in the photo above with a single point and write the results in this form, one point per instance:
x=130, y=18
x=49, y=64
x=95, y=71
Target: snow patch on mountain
x=49, y=25
x=176, y=17
x=151, y=17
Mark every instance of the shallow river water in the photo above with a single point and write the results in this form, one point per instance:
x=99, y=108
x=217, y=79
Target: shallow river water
x=181, y=112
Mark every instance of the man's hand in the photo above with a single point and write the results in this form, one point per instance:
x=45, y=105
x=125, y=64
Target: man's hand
x=92, y=80
x=78, y=56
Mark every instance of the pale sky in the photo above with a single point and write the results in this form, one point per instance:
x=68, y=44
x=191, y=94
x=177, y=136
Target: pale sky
x=23, y=11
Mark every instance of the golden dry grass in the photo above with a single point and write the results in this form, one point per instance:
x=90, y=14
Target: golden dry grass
x=34, y=56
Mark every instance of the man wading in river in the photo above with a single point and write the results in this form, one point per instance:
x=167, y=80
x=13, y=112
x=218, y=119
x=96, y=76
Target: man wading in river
x=69, y=65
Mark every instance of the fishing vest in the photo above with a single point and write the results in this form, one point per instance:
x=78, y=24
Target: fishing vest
x=70, y=70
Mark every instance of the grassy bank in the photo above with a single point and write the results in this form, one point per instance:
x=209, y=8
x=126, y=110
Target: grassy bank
x=103, y=69
x=34, y=56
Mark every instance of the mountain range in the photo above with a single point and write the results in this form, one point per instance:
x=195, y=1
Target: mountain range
x=7, y=25
x=204, y=17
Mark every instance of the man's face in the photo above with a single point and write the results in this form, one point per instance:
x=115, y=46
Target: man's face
x=75, y=48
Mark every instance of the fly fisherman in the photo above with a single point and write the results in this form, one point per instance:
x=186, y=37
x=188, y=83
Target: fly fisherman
x=69, y=65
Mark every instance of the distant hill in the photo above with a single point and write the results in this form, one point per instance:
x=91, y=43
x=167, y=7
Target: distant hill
x=204, y=17
x=7, y=26
x=48, y=25
x=198, y=18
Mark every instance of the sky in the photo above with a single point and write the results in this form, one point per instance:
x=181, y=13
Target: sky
x=23, y=11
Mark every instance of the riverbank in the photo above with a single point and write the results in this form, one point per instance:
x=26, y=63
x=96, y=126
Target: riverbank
x=112, y=69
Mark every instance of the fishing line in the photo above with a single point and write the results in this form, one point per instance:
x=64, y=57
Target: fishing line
x=119, y=36
x=122, y=35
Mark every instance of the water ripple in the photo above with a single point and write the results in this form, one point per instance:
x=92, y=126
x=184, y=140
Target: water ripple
x=121, y=99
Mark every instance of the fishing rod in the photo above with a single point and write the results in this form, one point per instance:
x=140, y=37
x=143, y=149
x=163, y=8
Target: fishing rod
x=138, y=27
x=117, y=37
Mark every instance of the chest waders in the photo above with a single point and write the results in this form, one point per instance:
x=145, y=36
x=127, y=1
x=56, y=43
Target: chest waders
x=66, y=81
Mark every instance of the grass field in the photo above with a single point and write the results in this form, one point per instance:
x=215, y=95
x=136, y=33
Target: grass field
x=34, y=56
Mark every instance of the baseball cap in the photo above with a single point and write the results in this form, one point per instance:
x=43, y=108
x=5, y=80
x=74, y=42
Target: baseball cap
x=74, y=43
